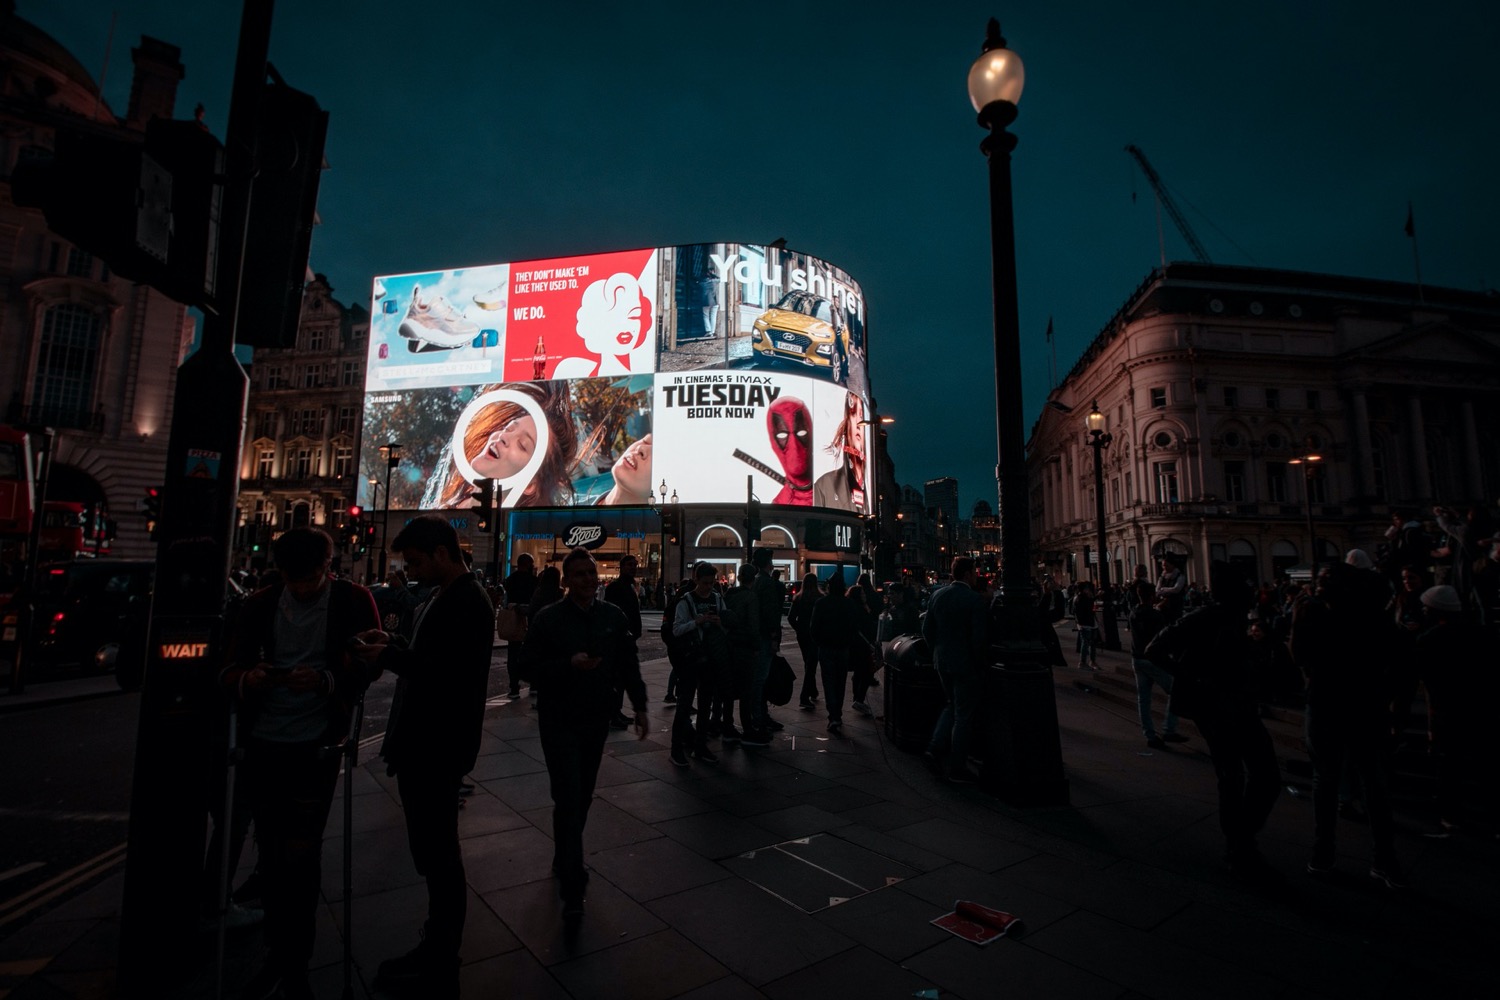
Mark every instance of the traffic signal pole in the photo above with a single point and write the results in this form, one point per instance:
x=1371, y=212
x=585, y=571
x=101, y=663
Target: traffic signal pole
x=182, y=709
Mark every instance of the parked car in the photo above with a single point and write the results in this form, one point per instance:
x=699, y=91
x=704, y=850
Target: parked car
x=92, y=615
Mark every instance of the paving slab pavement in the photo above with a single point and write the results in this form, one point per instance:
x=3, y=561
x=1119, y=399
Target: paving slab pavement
x=813, y=869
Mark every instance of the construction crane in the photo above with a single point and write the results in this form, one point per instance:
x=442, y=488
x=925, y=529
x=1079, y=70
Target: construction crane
x=1164, y=200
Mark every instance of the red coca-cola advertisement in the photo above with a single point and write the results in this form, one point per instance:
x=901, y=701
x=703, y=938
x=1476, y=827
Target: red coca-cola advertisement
x=580, y=317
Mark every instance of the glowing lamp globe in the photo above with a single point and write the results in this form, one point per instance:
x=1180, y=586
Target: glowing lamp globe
x=997, y=75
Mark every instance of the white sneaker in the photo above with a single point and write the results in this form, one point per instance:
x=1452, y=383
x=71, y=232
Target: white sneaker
x=434, y=321
x=491, y=300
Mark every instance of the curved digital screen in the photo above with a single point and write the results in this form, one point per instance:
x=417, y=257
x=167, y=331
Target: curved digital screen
x=595, y=379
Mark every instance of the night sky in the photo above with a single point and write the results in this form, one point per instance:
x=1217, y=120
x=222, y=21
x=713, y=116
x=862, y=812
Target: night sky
x=1292, y=135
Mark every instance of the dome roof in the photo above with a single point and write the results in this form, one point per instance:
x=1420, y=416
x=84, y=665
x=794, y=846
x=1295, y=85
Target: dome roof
x=25, y=39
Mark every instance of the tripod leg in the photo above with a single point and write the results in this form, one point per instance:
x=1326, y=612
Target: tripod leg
x=226, y=845
x=351, y=757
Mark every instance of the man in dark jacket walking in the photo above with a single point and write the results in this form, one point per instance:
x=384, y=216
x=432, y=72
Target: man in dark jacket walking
x=835, y=629
x=1342, y=641
x=519, y=588
x=433, y=736
x=1206, y=654
x=768, y=594
x=579, y=652
x=957, y=632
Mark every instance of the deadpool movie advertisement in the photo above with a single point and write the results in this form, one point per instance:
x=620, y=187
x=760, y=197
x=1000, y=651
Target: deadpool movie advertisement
x=786, y=432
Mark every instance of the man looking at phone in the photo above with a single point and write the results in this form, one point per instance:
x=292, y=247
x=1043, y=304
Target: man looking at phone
x=579, y=652
x=296, y=691
x=433, y=737
x=698, y=625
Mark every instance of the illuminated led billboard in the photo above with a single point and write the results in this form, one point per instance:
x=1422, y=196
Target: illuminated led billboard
x=593, y=379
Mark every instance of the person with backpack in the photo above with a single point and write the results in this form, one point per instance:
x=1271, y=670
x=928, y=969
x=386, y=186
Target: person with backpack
x=698, y=624
x=1146, y=619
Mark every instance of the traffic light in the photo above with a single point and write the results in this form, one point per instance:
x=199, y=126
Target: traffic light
x=150, y=210
x=283, y=204
x=354, y=528
x=484, y=513
x=671, y=524
x=150, y=506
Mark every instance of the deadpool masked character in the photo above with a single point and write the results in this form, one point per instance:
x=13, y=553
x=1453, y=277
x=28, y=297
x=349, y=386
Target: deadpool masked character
x=790, y=426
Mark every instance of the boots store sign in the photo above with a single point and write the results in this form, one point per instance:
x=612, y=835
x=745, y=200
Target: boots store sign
x=583, y=534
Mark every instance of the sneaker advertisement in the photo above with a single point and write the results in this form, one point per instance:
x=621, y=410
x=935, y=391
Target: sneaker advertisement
x=581, y=381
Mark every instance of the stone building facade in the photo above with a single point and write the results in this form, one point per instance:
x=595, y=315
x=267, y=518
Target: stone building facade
x=300, y=463
x=1213, y=380
x=83, y=351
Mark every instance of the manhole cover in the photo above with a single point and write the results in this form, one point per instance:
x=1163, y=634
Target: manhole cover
x=814, y=873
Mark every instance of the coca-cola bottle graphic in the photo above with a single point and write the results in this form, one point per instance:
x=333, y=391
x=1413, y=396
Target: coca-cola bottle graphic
x=539, y=360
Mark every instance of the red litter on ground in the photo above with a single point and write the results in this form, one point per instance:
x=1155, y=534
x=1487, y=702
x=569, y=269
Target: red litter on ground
x=976, y=922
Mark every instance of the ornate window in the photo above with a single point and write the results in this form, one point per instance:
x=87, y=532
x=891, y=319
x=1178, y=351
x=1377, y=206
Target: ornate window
x=66, y=364
x=304, y=463
x=1234, y=481
x=1276, y=482
x=1166, y=482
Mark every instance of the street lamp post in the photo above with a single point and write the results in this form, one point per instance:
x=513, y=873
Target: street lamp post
x=369, y=552
x=1309, y=463
x=662, y=510
x=681, y=521
x=873, y=490
x=1099, y=439
x=392, y=454
x=1023, y=753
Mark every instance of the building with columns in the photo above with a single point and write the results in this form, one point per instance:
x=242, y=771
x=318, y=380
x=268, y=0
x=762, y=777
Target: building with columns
x=1215, y=382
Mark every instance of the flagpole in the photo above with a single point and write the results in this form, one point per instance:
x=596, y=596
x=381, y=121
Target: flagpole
x=1416, y=260
x=1052, y=362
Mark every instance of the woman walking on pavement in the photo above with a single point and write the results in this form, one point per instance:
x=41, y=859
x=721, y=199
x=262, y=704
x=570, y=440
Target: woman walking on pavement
x=1088, y=627
x=835, y=629
x=800, y=618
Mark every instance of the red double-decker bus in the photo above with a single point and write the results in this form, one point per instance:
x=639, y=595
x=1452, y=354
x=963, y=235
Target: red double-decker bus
x=69, y=528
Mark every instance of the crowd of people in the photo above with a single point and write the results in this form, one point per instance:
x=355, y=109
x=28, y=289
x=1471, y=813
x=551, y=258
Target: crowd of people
x=1351, y=648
